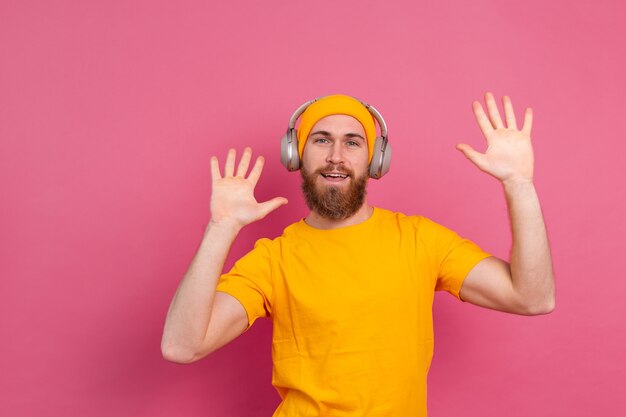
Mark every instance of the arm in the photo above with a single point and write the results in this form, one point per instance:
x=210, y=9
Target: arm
x=200, y=321
x=526, y=285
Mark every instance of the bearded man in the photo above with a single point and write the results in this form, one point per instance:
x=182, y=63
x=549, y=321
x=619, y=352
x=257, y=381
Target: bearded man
x=350, y=287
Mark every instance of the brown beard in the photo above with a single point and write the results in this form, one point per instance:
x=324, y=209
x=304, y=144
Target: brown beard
x=332, y=202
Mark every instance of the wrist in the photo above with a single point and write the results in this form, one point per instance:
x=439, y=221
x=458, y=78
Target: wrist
x=517, y=182
x=223, y=226
x=519, y=189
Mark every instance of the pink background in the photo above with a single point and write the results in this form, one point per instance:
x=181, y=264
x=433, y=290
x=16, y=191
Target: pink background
x=110, y=111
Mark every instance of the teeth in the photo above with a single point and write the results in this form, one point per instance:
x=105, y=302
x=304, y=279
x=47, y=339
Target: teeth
x=334, y=175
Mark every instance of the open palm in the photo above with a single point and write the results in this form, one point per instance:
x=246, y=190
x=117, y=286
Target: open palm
x=509, y=154
x=232, y=197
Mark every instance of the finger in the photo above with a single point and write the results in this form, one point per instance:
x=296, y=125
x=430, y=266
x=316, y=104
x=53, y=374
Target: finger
x=271, y=205
x=255, y=174
x=528, y=121
x=492, y=109
x=509, y=114
x=244, y=163
x=215, y=169
x=481, y=118
x=475, y=157
x=229, y=169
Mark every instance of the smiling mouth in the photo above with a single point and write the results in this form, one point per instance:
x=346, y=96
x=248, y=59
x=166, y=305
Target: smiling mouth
x=333, y=175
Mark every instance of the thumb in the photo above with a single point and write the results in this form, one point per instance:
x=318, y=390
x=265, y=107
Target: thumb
x=271, y=205
x=477, y=158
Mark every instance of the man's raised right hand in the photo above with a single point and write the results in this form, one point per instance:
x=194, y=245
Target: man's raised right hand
x=232, y=199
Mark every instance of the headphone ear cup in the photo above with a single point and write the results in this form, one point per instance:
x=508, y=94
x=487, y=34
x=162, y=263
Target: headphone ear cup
x=381, y=158
x=289, y=156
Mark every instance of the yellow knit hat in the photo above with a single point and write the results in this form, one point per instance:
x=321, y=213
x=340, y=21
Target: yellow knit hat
x=336, y=104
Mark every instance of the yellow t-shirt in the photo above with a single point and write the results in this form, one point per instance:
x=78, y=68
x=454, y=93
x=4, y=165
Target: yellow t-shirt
x=352, y=310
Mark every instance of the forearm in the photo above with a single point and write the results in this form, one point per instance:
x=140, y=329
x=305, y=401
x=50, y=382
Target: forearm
x=189, y=314
x=531, y=262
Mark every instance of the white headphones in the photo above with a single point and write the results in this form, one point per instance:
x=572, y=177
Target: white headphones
x=381, y=155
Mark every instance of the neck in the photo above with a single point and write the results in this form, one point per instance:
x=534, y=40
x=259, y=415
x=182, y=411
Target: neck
x=319, y=222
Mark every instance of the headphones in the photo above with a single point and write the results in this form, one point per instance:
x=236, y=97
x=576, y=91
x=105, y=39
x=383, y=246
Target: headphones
x=381, y=155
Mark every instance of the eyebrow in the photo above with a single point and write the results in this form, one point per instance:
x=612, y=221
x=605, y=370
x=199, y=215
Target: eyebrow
x=347, y=135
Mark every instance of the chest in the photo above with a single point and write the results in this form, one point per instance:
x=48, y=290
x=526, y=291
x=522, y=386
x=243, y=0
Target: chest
x=334, y=287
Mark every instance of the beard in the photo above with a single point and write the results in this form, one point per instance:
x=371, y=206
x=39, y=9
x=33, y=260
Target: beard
x=333, y=202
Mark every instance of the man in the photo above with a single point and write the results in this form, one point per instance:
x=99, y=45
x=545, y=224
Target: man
x=350, y=287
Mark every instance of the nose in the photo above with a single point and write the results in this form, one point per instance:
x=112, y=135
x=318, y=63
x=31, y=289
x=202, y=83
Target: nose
x=335, y=153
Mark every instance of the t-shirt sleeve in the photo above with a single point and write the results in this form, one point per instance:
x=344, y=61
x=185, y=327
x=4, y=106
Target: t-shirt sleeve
x=454, y=256
x=250, y=281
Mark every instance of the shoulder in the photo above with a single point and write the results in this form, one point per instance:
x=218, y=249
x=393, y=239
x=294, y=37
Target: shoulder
x=274, y=244
x=402, y=219
x=424, y=227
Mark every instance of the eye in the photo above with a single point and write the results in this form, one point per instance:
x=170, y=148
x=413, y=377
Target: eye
x=320, y=140
x=353, y=143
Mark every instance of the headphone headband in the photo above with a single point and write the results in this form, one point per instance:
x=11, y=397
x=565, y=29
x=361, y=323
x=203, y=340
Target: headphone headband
x=379, y=118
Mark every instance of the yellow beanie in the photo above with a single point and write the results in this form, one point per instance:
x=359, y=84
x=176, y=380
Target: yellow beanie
x=336, y=104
